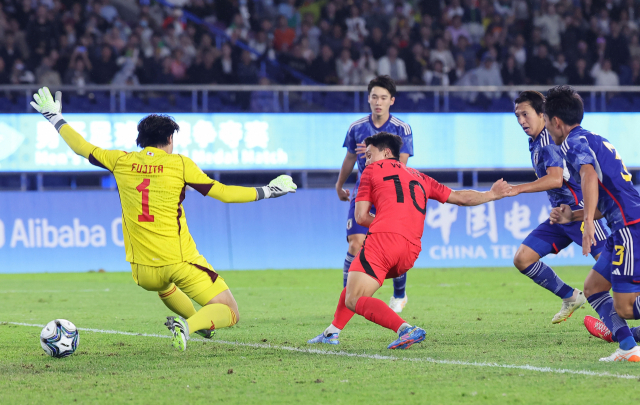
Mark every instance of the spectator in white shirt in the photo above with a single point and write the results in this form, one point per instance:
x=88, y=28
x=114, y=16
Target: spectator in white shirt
x=366, y=67
x=443, y=54
x=346, y=68
x=356, y=26
x=393, y=66
x=551, y=25
x=603, y=75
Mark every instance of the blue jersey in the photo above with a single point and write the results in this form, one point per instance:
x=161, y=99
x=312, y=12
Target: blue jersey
x=618, y=200
x=364, y=128
x=545, y=154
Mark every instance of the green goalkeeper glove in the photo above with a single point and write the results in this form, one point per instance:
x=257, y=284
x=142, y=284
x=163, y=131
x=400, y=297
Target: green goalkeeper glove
x=47, y=106
x=278, y=187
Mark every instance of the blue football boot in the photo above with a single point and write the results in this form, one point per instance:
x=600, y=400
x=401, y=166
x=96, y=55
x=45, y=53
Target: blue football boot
x=332, y=339
x=409, y=336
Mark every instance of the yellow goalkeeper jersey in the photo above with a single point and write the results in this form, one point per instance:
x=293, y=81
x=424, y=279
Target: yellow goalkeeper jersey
x=152, y=185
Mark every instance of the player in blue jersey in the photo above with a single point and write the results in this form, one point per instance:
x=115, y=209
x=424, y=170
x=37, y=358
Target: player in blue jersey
x=608, y=192
x=547, y=238
x=382, y=91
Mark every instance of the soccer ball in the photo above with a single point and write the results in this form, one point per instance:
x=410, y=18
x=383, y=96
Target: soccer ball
x=59, y=338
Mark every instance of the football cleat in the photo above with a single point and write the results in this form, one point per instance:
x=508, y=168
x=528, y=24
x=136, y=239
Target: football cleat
x=598, y=329
x=632, y=355
x=397, y=304
x=332, y=339
x=206, y=333
x=180, y=330
x=409, y=336
x=568, y=307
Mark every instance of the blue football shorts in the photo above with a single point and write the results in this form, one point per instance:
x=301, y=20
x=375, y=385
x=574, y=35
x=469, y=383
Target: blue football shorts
x=618, y=263
x=552, y=238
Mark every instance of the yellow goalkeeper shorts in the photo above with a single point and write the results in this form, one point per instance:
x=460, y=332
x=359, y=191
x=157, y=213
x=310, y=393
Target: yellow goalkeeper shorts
x=196, y=279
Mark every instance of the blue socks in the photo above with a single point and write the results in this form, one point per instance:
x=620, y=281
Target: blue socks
x=544, y=276
x=345, y=269
x=399, y=285
x=602, y=303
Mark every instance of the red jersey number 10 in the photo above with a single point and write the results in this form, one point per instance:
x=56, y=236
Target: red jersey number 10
x=142, y=188
x=412, y=190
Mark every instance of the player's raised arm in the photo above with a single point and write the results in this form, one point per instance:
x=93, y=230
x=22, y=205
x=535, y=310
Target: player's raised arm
x=500, y=189
x=52, y=110
x=197, y=179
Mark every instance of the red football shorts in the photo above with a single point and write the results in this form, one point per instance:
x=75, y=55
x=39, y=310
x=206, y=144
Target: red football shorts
x=385, y=255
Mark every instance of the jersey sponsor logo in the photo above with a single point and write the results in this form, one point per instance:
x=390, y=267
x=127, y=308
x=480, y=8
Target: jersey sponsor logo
x=147, y=168
x=616, y=272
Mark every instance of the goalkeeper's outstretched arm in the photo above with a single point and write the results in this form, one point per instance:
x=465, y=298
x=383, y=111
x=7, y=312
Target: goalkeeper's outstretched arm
x=198, y=180
x=52, y=110
x=278, y=187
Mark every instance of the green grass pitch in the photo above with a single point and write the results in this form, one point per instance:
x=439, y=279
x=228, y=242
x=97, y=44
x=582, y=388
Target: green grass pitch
x=490, y=317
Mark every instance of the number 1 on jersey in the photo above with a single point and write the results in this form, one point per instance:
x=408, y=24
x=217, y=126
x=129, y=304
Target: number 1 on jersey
x=142, y=188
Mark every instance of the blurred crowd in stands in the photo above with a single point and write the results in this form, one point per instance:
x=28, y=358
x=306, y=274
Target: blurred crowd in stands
x=432, y=42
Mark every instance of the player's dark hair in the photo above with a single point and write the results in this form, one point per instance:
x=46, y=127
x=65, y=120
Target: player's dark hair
x=386, y=82
x=534, y=98
x=155, y=130
x=565, y=103
x=384, y=140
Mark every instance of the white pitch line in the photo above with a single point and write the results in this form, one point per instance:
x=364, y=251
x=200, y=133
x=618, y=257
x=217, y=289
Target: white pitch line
x=48, y=291
x=525, y=367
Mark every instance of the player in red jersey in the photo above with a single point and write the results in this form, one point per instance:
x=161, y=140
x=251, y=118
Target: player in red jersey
x=392, y=246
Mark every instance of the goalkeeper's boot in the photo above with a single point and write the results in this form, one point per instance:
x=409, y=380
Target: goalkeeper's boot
x=397, y=304
x=409, y=336
x=180, y=329
x=331, y=339
x=632, y=355
x=598, y=329
x=568, y=307
x=206, y=333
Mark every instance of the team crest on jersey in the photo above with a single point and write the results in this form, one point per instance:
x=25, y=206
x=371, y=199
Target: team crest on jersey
x=149, y=153
x=535, y=158
x=349, y=223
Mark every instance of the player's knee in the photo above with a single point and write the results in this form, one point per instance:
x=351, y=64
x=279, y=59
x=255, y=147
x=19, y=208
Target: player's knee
x=354, y=246
x=350, y=301
x=590, y=288
x=521, y=261
x=624, y=309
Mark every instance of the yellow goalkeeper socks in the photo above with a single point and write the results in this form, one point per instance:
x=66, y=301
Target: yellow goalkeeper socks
x=212, y=316
x=177, y=301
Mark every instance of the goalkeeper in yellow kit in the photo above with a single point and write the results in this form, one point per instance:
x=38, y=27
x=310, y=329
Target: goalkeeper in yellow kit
x=162, y=253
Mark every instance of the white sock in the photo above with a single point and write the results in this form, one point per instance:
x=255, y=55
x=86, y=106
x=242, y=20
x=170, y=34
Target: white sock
x=402, y=328
x=331, y=329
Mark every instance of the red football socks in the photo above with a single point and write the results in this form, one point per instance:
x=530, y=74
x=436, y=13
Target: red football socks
x=378, y=312
x=343, y=314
